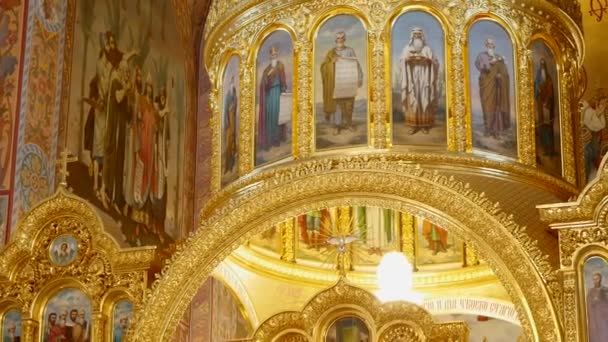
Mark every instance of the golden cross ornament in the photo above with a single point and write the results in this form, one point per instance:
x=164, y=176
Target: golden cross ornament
x=63, y=167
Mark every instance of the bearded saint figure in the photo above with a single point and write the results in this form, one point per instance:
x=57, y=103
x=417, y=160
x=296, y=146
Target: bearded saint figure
x=494, y=90
x=419, y=94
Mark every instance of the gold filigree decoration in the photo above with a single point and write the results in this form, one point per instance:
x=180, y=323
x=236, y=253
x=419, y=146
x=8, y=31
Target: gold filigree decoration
x=290, y=191
x=586, y=208
x=287, y=231
x=388, y=318
x=400, y=333
x=408, y=237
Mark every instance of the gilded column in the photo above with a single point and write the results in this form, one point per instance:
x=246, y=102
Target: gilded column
x=245, y=150
x=306, y=138
x=470, y=255
x=345, y=260
x=29, y=329
x=287, y=230
x=214, y=122
x=459, y=122
x=568, y=106
x=526, y=117
x=379, y=118
x=407, y=233
x=570, y=306
x=98, y=325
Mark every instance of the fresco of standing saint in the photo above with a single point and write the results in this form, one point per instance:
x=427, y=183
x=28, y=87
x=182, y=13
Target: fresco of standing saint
x=230, y=121
x=546, y=106
x=418, y=55
x=492, y=91
x=341, y=83
x=274, y=98
x=127, y=118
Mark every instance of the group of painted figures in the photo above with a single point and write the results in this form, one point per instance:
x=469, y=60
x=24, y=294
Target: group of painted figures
x=419, y=78
x=127, y=134
x=68, y=326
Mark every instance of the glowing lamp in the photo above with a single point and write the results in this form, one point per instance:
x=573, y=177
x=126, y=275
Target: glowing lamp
x=395, y=279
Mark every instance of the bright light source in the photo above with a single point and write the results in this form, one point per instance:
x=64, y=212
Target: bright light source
x=395, y=279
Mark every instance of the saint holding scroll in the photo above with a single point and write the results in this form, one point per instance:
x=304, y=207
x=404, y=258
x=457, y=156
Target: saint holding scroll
x=342, y=75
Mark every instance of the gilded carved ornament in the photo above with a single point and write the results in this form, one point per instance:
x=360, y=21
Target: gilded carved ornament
x=390, y=320
x=582, y=230
x=30, y=276
x=375, y=180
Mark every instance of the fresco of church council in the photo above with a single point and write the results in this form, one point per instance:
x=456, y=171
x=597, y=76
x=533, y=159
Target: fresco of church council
x=492, y=88
x=546, y=107
x=274, y=98
x=126, y=118
x=594, y=131
x=595, y=99
x=230, y=109
x=418, y=87
x=341, y=83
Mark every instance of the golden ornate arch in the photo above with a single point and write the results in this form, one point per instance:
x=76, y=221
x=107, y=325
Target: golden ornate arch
x=273, y=196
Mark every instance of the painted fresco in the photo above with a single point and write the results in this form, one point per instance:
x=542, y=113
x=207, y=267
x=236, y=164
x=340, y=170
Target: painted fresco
x=595, y=99
x=228, y=321
x=341, y=83
x=492, y=89
x=67, y=317
x=126, y=116
x=268, y=241
x=216, y=314
x=39, y=105
x=123, y=312
x=230, y=121
x=274, y=98
x=348, y=329
x=418, y=69
x=435, y=245
x=201, y=313
x=486, y=329
x=11, y=326
x=378, y=232
x=373, y=231
x=546, y=106
x=313, y=230
x=10, y=37
x=594, y=131
x=596, y=296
